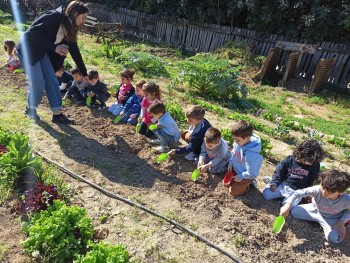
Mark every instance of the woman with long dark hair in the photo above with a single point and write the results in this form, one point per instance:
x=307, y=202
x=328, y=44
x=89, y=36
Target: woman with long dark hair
x=53, y=34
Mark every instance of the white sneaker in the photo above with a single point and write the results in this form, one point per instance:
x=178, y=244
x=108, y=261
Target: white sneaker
x=190, y=156
x=155, y=141
x=267, y=179
x=162, y=149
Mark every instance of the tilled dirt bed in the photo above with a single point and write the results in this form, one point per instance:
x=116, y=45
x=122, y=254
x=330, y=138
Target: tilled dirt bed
x=123, y=162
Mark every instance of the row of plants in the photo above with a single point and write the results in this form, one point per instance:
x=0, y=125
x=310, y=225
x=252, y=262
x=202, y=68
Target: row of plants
x=56, y=230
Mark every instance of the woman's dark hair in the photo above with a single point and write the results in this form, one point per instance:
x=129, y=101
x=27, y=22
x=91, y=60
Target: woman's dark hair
x=335, y=181
x=74, y=9
x=309, y=151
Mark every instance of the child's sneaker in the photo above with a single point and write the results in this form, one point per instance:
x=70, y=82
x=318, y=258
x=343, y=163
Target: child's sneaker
x=162, y=149
x=191, y=156
x=267, y=179
x=155, y=141
x=102, y=107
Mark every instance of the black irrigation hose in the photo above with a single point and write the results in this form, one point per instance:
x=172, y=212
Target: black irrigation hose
x=127, y=201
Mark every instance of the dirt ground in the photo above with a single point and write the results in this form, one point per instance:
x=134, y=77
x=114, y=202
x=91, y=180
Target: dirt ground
x=123, y=162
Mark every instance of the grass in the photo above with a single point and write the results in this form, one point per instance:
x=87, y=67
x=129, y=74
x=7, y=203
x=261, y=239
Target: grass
x=3, y=251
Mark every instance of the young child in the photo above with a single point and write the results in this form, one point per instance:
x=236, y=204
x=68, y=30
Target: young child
x=132, y=108
x=195, y=135
x=246, y=159
x=167, y=130
x=296, y=171
x=12, y=61
x=125, y=91
x=65, y=79
x=330, y=205
x=215, y=153
x=151, y=92
x=77, y=88
x=97, y=90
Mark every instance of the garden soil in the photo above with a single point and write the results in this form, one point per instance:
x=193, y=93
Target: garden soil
x=123, y=162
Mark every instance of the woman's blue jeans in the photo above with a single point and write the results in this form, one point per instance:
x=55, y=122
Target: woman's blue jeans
x=42, y=77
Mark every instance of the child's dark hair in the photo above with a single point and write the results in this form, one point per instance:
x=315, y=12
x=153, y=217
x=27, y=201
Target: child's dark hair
x=93, y=74
x=157, y=107
x=195, y=112
x=127, y=73
x=9, y=46
x=309, y=151
x=61, y=69
x=140, y=83
x=152, y=88
x=76, y=70
x=242, y=129
x=212, y=135
x=335, y=181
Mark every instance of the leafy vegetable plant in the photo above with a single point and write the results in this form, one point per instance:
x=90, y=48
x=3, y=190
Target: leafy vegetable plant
x=59, y=233
x=105, y=253
x=38, y=198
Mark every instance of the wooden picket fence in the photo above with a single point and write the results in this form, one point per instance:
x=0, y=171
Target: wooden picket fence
x=210, y=37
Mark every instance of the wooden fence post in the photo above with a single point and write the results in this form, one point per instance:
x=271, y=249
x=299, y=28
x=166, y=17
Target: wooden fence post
x=291, y=65
x=322, y=73
x=270, y=63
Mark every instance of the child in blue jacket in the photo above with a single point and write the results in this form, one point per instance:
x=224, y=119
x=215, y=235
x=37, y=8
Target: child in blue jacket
x=167, y=130
x=132, y=108
x=246, y=159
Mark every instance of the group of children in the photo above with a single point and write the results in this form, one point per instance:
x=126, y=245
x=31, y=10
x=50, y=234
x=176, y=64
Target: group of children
x=293, y=178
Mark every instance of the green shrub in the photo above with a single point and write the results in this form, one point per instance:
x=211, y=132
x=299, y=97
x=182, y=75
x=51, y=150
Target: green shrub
x=227, y=136
x=266, y=147
x=5, y=18
x=112, y=52
x=210, y=77
x=176, y=112
x=150, y=65
x=105, y=253
x=58, y=233
x=18, y=159
x=5, y=137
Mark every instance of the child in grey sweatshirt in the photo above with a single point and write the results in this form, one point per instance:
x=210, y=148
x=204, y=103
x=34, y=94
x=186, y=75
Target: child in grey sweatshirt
x=215, y=153
x=330, y=205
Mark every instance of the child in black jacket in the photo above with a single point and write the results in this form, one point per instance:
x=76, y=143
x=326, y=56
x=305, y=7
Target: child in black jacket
x=97, y=90
x=297, y=171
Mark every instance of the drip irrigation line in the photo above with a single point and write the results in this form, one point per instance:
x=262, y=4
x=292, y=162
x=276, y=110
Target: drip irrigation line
x=127, y=201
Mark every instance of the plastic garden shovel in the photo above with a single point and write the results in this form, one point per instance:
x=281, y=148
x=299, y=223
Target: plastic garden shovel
x=227, y=179
x=162, y=157
x=114, y=89
x=195, y=174
x=117, y=119
x=152, y=127
x=278, y=224
x=88, y=101
x=138, y=126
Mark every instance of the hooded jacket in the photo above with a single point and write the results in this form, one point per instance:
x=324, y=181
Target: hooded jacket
x=246, y=160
